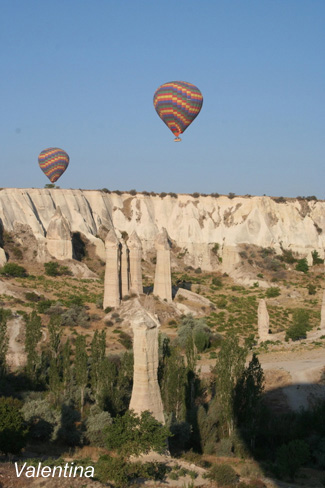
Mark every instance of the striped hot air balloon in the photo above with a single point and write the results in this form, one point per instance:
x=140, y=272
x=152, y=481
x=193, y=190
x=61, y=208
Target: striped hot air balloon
x=177, y=103
x=53, y=162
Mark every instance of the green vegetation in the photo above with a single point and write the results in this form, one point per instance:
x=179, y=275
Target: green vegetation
x=13, y=269
x=302, y=265
x=12, y=428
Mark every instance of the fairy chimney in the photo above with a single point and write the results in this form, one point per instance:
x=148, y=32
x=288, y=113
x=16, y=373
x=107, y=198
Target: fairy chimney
x=112, y=291
x=135, y=257
x=146, y=392
x=163, y=283
x=263, y=321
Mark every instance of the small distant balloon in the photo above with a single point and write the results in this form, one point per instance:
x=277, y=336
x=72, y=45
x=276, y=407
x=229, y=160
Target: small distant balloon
x=53, y=162
x=178, y=103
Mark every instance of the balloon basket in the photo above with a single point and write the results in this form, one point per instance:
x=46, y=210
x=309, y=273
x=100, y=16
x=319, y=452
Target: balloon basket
x=177, y=139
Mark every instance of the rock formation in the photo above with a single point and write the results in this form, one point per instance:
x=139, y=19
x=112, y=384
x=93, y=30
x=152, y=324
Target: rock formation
x=135, y=257
x=58, y=237
x=322, y=313
x=194, y=224
x=263, y=322
x=125, y=275
x=146, y=392
x=112, y=290
x=163, y=281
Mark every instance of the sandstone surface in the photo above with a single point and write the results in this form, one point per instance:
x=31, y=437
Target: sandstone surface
x=135, y=255
x=322, y=314
x=163, y=282
x=146, y=392
x=194, y=224
x=58, y=237
x=125, y=274
x=112, y=290
x=263, y=321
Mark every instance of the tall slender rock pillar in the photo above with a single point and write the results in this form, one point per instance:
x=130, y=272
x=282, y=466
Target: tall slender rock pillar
x=58, y=236
x=146, y=392
x=125, y=275
x=112, y=291
x=263, y=322
x=163, y=281
x=135, y=256
x=322, y=313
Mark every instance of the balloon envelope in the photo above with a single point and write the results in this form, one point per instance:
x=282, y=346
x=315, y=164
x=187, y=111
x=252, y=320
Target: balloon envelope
x=178, y=103
x=53, y=162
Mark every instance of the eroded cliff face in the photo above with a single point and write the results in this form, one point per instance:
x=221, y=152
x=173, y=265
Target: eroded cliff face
x=194, y=224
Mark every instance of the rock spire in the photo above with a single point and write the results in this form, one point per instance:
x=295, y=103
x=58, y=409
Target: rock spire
x=135, y=257
x=163, y=283
x=146, y=392
x=263, y=321
x=112, y=283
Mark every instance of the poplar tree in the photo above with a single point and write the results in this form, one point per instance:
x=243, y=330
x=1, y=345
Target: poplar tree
x=3, y=341
x=229, y=369
x=33, y=336
x=81, y=367
x=98, y=346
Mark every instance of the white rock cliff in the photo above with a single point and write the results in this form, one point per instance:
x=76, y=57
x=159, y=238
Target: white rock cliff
x=195, y=224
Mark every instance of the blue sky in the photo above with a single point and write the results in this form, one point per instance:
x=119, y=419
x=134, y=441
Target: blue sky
x=81, y=74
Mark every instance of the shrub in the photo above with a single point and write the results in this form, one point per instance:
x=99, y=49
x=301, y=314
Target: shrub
x=215, y=248
x=224, y=475
x=96, y=422
x=231, y=195
x=312, y=289
x=134, y=435
x=43, y=421
x=13, y=269
x=125, y=339
x=162, y=194
x=316, y=258
x=217, y=282
x=52, y=268
x=133, y=192
x=288, y=257
x=291, y=456
x=298, y=330
x=32, y=297
x=272, y=292
x=302, y=265
x=75, y=315
x=195, y=195
x=12, y=426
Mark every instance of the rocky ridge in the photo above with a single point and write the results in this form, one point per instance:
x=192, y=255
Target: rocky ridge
x=195, y=225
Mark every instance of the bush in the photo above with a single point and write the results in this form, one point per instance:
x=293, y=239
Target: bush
x=224, y=475
x=217, y=282
x=96, y=422
x=298, y=330
x=134, y=435
x=291, y=456
x=312, y=289
x=75, y=315
x=43, y=421
x=302, y=265
x=316, y=258
x=272, y=292
x=52, y=268
x=13, y=431
x=13, y=269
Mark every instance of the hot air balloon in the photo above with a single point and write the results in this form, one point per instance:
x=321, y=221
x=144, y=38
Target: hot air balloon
x=53, y=162
x=177, y=103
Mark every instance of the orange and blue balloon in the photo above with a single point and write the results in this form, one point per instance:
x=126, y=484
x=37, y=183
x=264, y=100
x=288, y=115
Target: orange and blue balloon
x=53, y=162
x=178, y=103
